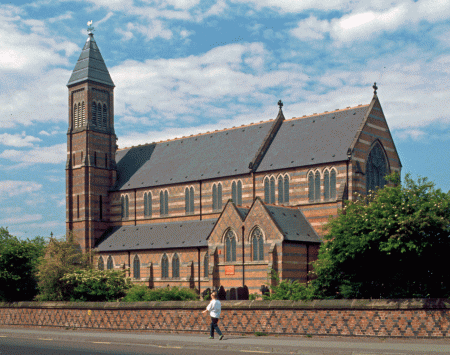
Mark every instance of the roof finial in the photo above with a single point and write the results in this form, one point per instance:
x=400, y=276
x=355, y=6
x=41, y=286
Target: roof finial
x=90, y=28
x=280, y=103
x=375, y=88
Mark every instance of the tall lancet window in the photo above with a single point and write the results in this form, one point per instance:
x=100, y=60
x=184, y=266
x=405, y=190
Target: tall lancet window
x=105, y=117
x=94, y=114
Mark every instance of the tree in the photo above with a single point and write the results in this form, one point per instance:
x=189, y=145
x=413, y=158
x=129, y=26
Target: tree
x=393, y=243
x=18, y=261
x=95, y=285
x=62, y=256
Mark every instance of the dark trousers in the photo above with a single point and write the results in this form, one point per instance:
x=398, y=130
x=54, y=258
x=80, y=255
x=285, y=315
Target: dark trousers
x=214, y=326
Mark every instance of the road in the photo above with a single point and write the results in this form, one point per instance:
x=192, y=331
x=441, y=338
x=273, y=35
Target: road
x=23, y=341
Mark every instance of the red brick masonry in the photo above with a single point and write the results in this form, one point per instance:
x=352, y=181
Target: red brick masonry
x=382, y=318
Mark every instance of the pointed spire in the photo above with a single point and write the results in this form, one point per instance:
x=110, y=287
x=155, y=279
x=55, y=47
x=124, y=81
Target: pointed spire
x=90, y=65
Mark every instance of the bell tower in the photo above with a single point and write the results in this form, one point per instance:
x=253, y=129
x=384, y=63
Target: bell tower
x=91, y=146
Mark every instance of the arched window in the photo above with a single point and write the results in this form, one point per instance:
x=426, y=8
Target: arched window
x=76, y=122
x=283, y=189
x=122, y=206
x=217, y=197
x=329, y=185
x=100, y=263
x=326, y=185
x=164, y=203
x=105, y=116
x=280, y=189
x=136, y=267
x=269, y=189
x=164, y=266
x=99, y=115
x=230, y=246
x=258, y=244
x=314, y=186
x=311, y=186
x=376, y=169
x=83, y=114
x=206, y=265
x=124, y=201
x=94, y=114
x=333, y=184
x=175, y=267
x=109, y=263
x=148, y=204
x=236, y=192
x=189, y=200
x=317, y=186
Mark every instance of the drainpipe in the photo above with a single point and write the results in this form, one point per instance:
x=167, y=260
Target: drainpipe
x=200, y=188
x=198, y=256
x=135, y=206
x=243, y=257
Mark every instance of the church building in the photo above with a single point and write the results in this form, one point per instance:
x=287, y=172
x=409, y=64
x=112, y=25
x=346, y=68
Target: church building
x=216, y=209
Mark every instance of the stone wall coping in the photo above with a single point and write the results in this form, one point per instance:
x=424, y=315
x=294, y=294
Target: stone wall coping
x=341, y=304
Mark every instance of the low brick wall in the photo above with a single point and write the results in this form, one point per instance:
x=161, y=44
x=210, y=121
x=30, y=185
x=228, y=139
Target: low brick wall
x=380, y=318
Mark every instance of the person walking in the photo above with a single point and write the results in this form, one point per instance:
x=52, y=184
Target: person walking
x=214, y=308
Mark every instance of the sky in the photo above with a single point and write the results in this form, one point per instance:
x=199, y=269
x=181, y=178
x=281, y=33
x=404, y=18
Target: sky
x=183, y=67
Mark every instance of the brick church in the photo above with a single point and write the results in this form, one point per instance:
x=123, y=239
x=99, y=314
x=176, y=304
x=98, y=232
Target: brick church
x=220, y=208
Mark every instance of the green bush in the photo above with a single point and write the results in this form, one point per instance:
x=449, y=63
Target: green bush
x=95, y=285
x=140, y=293
x=289, y=290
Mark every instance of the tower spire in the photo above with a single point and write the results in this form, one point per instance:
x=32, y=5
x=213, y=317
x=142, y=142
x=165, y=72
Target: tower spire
x=90, y=65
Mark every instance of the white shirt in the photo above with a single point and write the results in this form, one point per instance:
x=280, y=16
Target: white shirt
x=214, y=308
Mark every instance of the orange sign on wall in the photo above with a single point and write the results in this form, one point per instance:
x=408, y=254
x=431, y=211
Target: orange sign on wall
x=229, y=270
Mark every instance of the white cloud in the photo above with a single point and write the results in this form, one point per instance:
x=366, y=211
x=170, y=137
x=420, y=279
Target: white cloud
x=23, y=218
x=10, y=188
x=18, y=140
x=55, y=154
x=311, y=28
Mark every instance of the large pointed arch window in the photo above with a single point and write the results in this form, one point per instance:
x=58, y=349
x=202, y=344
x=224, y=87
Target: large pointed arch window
x=376, y=169
x=217, y=197
x=136, y=267
x=257, y=244
x=176, y=267
x=230, y=246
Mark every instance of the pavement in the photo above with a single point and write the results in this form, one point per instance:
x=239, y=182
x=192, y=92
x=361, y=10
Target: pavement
x=241, y=343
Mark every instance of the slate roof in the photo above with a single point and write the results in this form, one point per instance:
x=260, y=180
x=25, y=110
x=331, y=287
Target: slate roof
x=157, y=236
x=293, y=224
x=312, y=140
x=90, y=65
x=317, y=139
x=201, y=157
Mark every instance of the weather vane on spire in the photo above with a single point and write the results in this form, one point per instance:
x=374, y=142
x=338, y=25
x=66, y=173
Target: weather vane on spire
x=90, y=28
